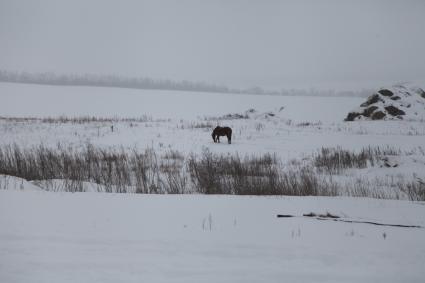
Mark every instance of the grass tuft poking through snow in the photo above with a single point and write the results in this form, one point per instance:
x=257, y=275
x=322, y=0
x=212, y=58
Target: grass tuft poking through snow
x=335, y=160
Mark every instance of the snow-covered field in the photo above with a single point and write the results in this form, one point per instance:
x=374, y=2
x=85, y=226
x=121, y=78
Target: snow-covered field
x=44, y=101
x=183, y=121
x=94, y=237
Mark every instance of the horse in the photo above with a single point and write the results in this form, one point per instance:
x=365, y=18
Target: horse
x=222, y=131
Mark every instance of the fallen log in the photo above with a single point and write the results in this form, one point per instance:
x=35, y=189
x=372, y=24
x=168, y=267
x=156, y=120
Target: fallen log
x=332, y=217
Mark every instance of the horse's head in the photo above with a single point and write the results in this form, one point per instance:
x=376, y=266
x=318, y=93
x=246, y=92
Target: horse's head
x=215, y=133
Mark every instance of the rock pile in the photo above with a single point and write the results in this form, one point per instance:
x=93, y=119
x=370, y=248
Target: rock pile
x=395, y=103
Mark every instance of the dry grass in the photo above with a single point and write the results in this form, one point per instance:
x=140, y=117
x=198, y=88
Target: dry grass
x=79, y=119
x=124, y=171
x=335, y=160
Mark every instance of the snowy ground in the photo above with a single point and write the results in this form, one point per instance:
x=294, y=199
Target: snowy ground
x=299, y=128
x=93, y=237
x=44, y=101
x=183, y=121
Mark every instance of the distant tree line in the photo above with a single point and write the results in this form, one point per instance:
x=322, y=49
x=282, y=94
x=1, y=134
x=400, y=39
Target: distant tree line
x=50, y=78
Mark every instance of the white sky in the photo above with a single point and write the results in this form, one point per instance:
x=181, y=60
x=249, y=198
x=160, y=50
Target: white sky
x=276, y=44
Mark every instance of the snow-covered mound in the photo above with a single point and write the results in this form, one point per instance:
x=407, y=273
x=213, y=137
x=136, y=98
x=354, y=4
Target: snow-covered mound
x=255, y=114
x=276, y=113
x=393, y=103
x=17, y=184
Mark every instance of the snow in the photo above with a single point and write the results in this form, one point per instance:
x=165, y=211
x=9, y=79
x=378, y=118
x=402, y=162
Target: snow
x=182, y=121
x=92, y=237
x=44, y=101
x=259, y=134
x=17, y=184
x=47, y=235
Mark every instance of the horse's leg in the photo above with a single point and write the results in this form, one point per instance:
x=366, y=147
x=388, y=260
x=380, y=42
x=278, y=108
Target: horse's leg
x=229, y=138
x=218, y=138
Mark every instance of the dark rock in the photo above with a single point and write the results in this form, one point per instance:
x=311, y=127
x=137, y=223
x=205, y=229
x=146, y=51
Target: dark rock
x=394, y=111
x=372, y=99
x=368, y=111
x=379, y=115
x=386, y=92
x=396, y=98
x=351, y=116
x=421, y=93
x=284, y=215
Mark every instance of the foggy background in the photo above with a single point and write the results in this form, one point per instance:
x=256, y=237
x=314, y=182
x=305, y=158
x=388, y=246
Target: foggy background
x=272, y=44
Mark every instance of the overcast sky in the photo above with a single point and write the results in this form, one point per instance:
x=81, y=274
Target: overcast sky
x=278, y=44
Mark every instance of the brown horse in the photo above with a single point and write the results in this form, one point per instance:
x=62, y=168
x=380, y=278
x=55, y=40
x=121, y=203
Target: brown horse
x=222, y=131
